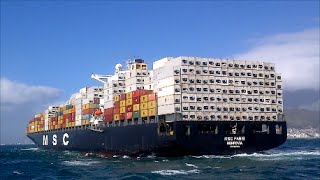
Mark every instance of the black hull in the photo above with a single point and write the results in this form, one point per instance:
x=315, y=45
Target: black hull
x=188, y=138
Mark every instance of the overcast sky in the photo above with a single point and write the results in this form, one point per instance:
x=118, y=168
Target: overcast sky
x=49, y=49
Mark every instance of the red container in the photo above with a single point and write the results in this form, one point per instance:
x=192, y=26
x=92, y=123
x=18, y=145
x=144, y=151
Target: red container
x=64, y=116
x=123, y=116
x=88, y=111
x=129, y=115
x=136, y=100
x=108, y=118
x=140, y=92
x=96, y=100
x=108, y=111
x=122, y=97
x=116, y=104
x=129, y=108
x=152, y=97
x=116, y=111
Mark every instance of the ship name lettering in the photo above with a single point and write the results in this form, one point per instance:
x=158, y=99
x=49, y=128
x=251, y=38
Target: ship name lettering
x=54, y=139
x=45, y=140
x=65, y=136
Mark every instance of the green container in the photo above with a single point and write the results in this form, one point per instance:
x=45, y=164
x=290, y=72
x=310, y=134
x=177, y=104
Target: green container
x=96, y=106
x=136, y=114
x=69, y=106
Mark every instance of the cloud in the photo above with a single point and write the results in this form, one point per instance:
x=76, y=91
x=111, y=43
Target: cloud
x=296, y=56
x=19, y=103
x=17, y=93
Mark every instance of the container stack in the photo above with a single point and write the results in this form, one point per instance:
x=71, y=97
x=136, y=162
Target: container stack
x=49, y=113
x=216, y=89
x=113, y=87
x=132, y=105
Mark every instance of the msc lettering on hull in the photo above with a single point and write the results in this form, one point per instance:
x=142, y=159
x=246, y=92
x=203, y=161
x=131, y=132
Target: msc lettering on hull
x=65, y=141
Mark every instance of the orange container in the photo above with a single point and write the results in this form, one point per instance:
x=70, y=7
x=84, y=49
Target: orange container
x=144, y=106
x=129, y=115
x=116, y=98
x=128, y=102
x=151, y=104
x=144, y=113
x=129, y=95
x=122, y=110
x=152, y=97
x=116, y=117
x=144, y=99
x=136, y=107
x=152, y=112
x=122, y=103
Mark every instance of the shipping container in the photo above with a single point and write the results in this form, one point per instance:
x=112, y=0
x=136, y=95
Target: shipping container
x=152, y=104
x=144, y=106
x=116, y=104
x=136, y=100
x=129, y=95
x=128, y=102
x=152, y=112
x=136, y=114
x=136, y=107
x=122, y=97
x=116, y=98
x=144, y=113
x=116, y=110
x=122, y=110
x=122, y=103
x=129, y=115
x=116, y=117
x=144, y=99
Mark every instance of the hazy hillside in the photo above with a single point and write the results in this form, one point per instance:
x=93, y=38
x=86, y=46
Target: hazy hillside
x=301, y=119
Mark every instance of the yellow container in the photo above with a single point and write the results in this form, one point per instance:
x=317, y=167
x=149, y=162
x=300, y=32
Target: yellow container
x=151, y=104
x=129, y=96
x=116, y=98
x=144, y=99
x=122, y=110
x=128, y=102
x=144, y=106
x=152, y=112
x=116, y=117
x=72, y=124
x=123, y=103
x=136, y=107
x=144, y=113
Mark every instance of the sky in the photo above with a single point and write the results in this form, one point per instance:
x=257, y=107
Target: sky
x=49, y=49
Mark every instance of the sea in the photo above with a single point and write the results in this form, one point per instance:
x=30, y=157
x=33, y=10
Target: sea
x=295, y=159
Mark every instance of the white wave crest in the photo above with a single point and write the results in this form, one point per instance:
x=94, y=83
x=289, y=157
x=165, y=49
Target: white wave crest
x=191, y=165
x=171, y=172
x=17, y=172
x=79, y=163
x=125, y=157
x=30, y=149
x=281, y=154
x=212, y=157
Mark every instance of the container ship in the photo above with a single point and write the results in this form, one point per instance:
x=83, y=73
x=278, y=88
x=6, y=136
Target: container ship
x=183, y=106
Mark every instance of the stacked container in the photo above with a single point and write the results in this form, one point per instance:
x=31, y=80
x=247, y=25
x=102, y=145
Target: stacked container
x=216, y=89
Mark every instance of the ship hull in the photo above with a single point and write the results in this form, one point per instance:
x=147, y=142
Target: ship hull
x=181, y=138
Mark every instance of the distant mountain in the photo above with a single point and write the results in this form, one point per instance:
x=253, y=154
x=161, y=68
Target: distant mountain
x=302, y=119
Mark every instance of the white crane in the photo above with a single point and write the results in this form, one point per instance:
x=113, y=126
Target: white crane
x=101, y=78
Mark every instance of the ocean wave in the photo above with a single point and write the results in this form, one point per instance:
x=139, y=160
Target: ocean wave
x=266, y=156
x=79, y=163
x=17, y=172
x=30, y=149
x=191, y=165
x=171, y=172
x=212, y=157
x=294, y=153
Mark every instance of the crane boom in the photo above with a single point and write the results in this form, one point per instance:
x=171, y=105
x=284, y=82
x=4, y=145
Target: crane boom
x=101, y=78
